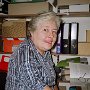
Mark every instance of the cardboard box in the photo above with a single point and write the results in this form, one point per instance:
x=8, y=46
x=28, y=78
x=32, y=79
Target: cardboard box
x=4, y=59
x=66, y=71
x=87, y=35
x=62, y=87
x=1, y=20
x=16, y=1
x=79, y=8
x=1, y=44
x=0, y=29
x=83, y=48
x=63, y=9
x=28, y=8
x=10, y=43
x=66, y=78
x=71, y=2
x=14, y=28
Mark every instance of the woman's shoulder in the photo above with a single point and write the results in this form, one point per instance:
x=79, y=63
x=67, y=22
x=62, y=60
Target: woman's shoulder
x=21, y=48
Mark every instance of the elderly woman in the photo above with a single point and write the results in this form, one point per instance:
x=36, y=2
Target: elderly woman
x=30, y=65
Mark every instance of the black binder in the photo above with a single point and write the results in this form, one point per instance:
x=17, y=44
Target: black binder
x=65, y=40
x=69, y=38
x=74, y=38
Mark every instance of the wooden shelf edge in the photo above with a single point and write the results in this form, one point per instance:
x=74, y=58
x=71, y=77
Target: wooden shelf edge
x=17, y=16
x=75, y=14
x=55, y=54
x=67, y=14
x=5, y=52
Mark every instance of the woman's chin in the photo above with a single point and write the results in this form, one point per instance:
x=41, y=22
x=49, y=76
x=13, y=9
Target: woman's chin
x=48, y=47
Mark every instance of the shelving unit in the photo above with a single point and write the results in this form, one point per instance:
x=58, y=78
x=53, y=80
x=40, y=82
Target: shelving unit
x=65, y=15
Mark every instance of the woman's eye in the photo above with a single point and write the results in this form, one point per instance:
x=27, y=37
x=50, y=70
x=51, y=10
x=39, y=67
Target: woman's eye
x=54, y=31
x=45, y=29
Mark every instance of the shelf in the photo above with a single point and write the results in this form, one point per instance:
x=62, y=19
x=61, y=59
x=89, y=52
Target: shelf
x=75, y=14
x=55, y=54
x=3, y=71
x=65, y=74
x=60, y=81
x=67, y=14
x=5, y=52
x=17, y=16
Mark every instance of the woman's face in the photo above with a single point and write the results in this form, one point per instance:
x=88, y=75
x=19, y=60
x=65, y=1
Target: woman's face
x=44, y=36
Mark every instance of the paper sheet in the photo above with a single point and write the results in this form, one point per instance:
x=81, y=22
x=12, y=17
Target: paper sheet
x=78, y=70
x=79, y=74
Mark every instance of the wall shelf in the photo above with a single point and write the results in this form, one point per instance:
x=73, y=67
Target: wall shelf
x=67, y=14
x=75, y=14
x=17, y=16
x=5, y=52
x=55, y=54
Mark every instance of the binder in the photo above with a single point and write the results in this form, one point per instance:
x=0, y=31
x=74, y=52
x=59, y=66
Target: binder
x=69, y=38
x=65, y=38
x=58, y=45
x=74, y=38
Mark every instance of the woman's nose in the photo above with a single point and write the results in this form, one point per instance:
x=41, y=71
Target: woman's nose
x=51, y=34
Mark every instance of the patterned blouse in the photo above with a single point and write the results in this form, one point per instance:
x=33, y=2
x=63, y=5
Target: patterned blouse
x=29, y=70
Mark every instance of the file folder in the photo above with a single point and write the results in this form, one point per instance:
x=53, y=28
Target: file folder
x=65, y=38
x=58, y=45
x=74, y=38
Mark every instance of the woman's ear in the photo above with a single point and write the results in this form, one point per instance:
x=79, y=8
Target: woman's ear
x=31, y=34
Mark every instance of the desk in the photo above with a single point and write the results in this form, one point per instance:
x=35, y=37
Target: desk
x=79, y=74
x=3, y=75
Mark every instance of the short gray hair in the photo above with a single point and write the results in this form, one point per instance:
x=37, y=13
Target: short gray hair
x=43, y=17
